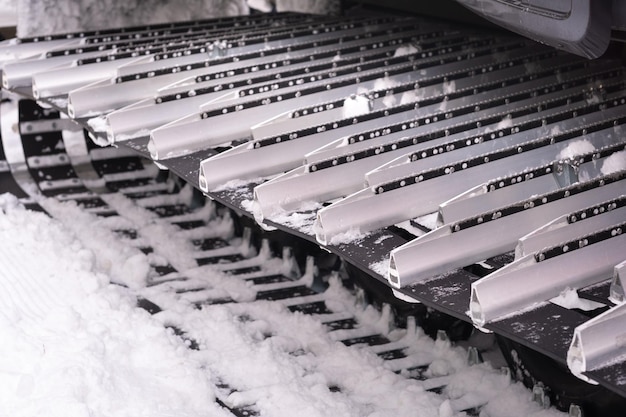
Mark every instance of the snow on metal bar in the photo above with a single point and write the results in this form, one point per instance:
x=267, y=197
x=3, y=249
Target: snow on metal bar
x=570, y=226
x=336, y=170
x=460, y=244
x=215, y=74
x=582, y=261
x=277, y=37
x=214, y=175
x=598, y=342
x=221, y=72
x=535, y=181
x=268, y=101
x=424, y=184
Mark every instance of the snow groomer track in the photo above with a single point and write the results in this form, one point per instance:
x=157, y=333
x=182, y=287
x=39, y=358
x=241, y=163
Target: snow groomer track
x=474, y=173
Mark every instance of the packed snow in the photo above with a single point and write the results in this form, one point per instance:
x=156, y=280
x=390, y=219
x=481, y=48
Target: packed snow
x=76, y=344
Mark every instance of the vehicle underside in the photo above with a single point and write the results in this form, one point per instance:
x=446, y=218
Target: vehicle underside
x=464, y=175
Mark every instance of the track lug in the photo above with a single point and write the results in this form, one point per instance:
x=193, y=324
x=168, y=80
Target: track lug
x=540, y=395
x=575, y=411
x=442, y=336
x=473, y=356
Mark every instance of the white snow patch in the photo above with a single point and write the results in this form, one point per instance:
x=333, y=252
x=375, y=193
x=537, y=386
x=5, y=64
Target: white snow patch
x=390, y=100
x=98, y=124
x=384, y=83
x=614, y=163
x=449, y=87
x=73, y=345
x=349, y=236
x=429, y=220
x=555, y=131
x=125, y=264
x=504, y=123
x=265, y=6
x=37, y=17
x=406, y=50
x=356, y=105
x=409, y=97
x=380, y=267
x=569, y=299
x=576, y=148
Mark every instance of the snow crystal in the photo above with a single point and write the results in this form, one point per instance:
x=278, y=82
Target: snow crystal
x=356, y=105
x=576, y=148
x=614, y=163
x=405, y=50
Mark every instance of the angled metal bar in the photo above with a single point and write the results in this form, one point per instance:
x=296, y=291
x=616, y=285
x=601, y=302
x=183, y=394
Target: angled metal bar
x=533, y=181
x=60, y=82
x=19, y=74
x=313, y=184
x=268, y=103
x=422, y=192
x=163, y=144
x=531, y=280
x=517, y=72
x=12, y=50
x=460, y=244
x=598, y=342
x=278, y=37
x=559, y=118
x=180, y=108
x=569, y=226
x=618, y=284
x=479, y=199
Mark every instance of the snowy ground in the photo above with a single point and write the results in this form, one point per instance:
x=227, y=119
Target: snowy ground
x=75, y=345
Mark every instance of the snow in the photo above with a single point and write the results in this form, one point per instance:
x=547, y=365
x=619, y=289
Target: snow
x=614, y=163
x=576, y=148
x=505, y=123
x=449, y=87
x=75, y=344
x=45, y=17
x=384, y=83
x=405, y=50
x=569, y=299
x=8, y=13
x=409, y=97
x=356, y=105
